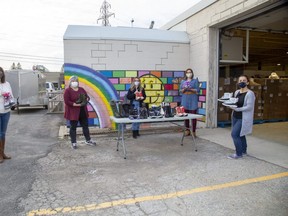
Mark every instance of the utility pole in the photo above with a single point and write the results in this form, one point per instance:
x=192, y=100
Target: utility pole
x=105, y=14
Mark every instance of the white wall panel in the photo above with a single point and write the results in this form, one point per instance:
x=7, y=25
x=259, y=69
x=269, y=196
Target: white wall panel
x=127, y=55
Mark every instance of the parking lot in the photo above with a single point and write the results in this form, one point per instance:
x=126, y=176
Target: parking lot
x=159, y=176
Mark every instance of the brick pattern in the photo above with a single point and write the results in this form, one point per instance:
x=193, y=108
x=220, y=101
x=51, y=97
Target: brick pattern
x=128, y=55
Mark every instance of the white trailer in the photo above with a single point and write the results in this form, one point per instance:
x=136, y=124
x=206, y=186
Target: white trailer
x=28, y=87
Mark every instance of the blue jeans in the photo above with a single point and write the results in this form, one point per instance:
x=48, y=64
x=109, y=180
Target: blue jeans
x=4, y=119
x=239, y=141
x=135, y=126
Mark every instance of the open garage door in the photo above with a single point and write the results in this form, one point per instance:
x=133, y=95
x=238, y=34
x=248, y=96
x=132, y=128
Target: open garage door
x=257, y=45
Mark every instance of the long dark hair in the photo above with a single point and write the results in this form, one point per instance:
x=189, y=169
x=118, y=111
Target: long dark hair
x=244, y=76
x=3, y=77
x=188, y=69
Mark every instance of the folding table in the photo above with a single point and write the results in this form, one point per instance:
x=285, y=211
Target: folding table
x=123, y=121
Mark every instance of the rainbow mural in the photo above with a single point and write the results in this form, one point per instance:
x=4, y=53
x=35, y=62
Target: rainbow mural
x=104, y=86
x=100, y=90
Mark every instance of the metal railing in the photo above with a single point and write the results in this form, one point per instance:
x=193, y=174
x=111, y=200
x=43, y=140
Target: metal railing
x=55, y=102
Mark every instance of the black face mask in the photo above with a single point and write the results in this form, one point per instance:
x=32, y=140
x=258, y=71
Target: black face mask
x=242, y=84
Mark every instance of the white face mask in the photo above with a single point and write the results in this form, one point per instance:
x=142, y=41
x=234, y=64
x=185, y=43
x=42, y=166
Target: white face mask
x=74, y=84
x=136, y=83
x=189, y=75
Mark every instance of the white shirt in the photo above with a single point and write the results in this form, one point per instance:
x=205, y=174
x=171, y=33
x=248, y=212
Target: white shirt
x=4, y=88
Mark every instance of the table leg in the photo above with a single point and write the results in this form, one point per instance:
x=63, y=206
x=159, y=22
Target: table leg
x=119, y=133
x=194, y=142
x=122, y=138
x=183, y=135
x=192, y=134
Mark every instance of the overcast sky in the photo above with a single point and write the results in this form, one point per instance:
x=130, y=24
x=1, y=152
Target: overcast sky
x=31, y=31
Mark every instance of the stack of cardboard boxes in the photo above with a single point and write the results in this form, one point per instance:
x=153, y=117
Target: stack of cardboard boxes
x=274, y=98
x=271, y=98
x=258, y=107
x=225, y=85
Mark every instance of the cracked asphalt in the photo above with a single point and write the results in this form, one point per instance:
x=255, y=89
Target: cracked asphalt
x=159, y=176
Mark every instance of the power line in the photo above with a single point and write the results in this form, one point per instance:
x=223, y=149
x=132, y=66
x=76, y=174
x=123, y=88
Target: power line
x=34, y=62
x=32, y=59
x=30, y=56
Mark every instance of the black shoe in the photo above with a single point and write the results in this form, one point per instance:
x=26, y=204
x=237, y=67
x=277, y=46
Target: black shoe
x=134, y=134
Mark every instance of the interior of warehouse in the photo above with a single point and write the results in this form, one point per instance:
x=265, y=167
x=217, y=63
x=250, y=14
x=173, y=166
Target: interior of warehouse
x=258, y=47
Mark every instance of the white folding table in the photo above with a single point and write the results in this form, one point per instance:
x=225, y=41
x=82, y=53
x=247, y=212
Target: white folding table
x=123, y=121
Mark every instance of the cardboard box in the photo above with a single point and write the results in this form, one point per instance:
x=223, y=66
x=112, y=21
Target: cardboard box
x=271, y=101
x=224, y=117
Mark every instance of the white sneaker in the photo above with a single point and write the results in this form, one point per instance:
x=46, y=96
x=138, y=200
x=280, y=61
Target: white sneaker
x=234, y=156
x=90, y=142
x=74, y=145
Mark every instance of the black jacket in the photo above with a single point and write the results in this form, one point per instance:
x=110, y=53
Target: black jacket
x=131, y=96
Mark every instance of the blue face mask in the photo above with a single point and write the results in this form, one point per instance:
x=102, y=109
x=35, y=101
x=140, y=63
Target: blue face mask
x=242, y=84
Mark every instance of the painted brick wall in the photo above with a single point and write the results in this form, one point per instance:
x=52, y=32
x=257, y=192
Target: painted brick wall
x=103, y=86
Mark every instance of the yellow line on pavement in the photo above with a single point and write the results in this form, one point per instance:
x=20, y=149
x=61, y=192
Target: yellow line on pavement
x=152, y=198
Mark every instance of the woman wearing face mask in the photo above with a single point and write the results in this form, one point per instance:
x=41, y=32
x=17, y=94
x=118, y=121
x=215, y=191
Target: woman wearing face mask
x=5, y=89
x=189, y=88
x=136, y=95
x=76, y=99
x=242, y=117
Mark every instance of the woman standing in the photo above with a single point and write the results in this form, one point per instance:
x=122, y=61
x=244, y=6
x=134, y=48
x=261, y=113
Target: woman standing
x=136, y=95
x=189, y=88
x=5, y=93
x=76, y=99
x=242, y=117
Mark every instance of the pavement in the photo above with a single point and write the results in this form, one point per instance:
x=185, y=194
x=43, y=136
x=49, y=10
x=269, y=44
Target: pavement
x=265, y=143
x=159, y=177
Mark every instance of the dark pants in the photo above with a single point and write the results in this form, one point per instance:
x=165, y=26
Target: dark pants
x=83, y=120
x=194, y=121
x=239, y=141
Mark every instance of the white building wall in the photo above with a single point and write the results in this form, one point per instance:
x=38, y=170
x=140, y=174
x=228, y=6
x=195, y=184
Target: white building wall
x=198, y=29
x=127, y=55
x=203, y=55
